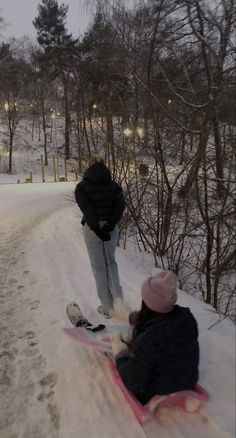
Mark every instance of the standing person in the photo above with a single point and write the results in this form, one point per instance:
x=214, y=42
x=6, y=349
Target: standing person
x=102, y=203
x=162, y=354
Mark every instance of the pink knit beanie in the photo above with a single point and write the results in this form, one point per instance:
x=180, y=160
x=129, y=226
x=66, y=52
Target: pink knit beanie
x=159, y=293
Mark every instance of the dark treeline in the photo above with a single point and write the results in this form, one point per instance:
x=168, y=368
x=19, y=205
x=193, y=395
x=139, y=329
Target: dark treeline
x=152, y=89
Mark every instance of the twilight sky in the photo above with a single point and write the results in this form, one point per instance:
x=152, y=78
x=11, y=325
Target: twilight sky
x=19, y=14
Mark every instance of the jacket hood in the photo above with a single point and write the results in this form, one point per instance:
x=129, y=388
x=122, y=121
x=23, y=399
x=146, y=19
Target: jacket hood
x=97, y=173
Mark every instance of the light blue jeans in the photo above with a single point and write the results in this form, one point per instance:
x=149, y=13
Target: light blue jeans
x=104, y=266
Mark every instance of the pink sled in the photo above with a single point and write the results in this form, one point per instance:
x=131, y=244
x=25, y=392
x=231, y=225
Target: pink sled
x=189, y=400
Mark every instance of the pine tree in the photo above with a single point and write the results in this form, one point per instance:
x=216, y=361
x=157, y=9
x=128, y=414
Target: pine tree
x=58, y=50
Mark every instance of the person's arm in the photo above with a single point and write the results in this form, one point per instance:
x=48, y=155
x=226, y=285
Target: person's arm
x=86, y=207
x=136, y=369
x=89, y=213
x=118, y=207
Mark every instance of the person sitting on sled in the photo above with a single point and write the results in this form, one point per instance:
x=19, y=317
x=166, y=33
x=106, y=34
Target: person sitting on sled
x=162, y=355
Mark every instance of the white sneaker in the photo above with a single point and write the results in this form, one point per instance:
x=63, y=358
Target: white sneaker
x=75, y=315
x=121, y=310
x=107, y=313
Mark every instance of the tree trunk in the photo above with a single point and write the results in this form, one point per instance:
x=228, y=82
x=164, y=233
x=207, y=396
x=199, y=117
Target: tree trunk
x=182, y=146
x=10, y=152
x=166, y=223
x=110, y=138
x=91, y=132
x=146, y=123
x=44, y=133
x=218, y=156
x=67, y=119
x=204, y=135
x=84, y=127
x=78, y=139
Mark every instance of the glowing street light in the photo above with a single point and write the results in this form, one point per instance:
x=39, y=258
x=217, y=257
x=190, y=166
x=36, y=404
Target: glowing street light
x=94, y=106
x=139, y=132
x=6, y=106
x=169, y=101
x=127, y=132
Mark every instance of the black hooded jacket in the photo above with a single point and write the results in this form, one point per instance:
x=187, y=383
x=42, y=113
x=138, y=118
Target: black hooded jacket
x=164, y=356
x=99, y=198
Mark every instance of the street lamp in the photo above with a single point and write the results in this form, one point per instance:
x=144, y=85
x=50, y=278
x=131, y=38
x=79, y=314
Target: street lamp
x=127, y=132
x=139, y=132
x=94, y=106
x=53, y=117
x=6, y=106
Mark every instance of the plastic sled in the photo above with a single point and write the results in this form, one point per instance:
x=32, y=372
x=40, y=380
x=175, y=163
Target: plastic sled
x=88, y=339
x=189, y=400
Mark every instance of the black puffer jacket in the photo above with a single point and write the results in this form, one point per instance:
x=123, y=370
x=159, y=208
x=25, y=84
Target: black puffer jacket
x=98, y=197
x=164, y=356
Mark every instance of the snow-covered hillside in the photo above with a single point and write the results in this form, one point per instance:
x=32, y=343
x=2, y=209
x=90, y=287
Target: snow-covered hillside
x=52, y=388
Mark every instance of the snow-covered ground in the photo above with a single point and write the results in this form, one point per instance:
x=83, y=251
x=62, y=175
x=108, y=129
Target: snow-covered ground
x=49, y=386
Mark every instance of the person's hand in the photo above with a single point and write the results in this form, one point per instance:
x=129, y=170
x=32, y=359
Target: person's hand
x=117, y=345
x=107, y=227
x=126, y=337
x=105, y=237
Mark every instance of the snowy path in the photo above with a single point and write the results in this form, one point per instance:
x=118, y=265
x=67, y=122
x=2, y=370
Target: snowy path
x=50, y=387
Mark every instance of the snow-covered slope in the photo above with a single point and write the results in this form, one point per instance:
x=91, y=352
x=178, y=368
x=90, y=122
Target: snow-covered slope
x=50, y=387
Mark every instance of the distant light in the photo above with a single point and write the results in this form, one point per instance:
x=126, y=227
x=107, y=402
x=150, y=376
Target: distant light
x=127, y=132
x=58, y=114
x=94, y=106
x=140, y=132
x=169, y=101
x=6, y=106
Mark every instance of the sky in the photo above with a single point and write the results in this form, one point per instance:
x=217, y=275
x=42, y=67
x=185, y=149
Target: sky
x=19, y=14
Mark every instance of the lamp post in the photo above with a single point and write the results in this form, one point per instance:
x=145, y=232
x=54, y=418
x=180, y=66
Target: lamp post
x=94, y=124
x=53, y=117
x=127, y=133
